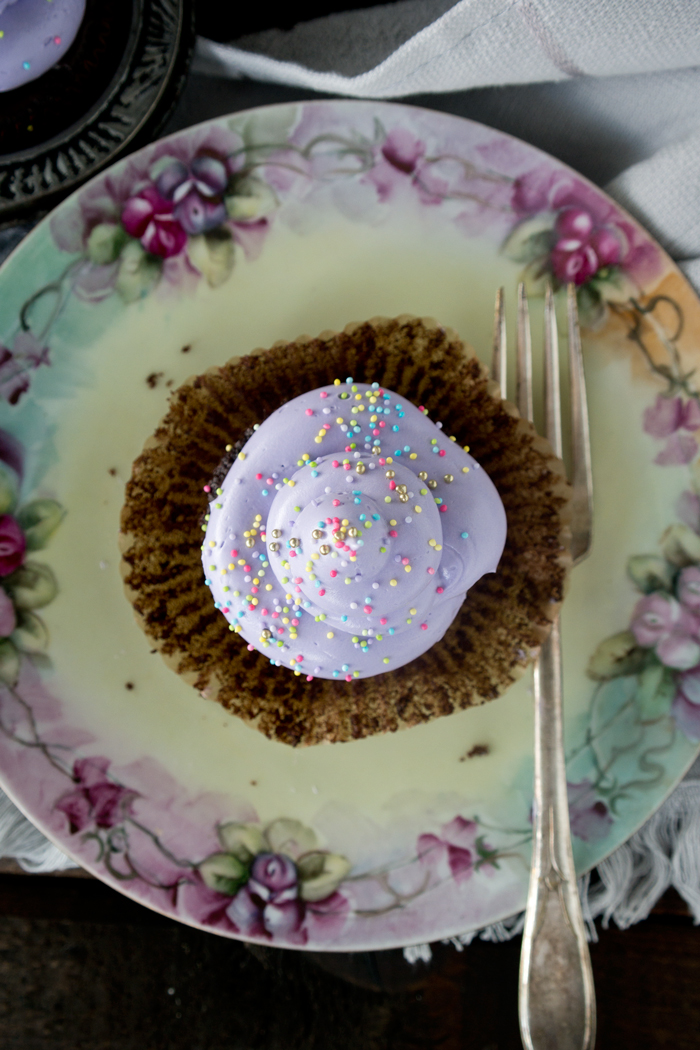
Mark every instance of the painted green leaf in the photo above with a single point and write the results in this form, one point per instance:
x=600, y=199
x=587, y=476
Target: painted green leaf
x=213, y=254
x=680, y=545
x=530, y=240
x=9, y=662
x=320, y=874
x=616, y=656
x=224, y=873
x=650, y=573
x=243, y=841
x=32, y=586
x=106, y=242
x=290, y=837
x=39, y=520
x=9, y=487
x=251, y=199
x=656, y=690
x=138, y=272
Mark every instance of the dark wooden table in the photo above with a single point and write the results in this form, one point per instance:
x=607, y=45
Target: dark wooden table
x=84, y=968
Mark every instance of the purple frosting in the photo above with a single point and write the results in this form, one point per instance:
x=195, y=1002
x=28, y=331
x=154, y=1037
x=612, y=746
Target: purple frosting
x=34, y=35
x=347, y=533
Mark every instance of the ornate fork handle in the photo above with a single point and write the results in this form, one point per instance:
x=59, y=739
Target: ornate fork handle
x=556, y=992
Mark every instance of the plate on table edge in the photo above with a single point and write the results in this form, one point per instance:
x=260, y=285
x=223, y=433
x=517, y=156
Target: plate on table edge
x=293, y=877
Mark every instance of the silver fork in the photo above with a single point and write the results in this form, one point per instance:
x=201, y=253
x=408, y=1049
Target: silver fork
x=556, y=996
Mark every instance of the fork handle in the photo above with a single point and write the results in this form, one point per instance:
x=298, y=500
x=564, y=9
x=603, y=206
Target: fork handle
x=556, y=995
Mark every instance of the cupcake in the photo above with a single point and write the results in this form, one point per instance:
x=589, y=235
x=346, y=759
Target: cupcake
x=337, y=611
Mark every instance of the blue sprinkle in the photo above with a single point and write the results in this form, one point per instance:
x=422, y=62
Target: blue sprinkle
x=357, y=499
x=208, y=583
x=362, y=517
x=391, y=630
x=357, y=492
x=395, y=428
x=264, y=492
x=377, y=441
x=336, y=673
x=241, y=614
x=398, y=452
x=317, y=583
x=321, y=524
x=314, y=473
x=375, y=517
x=375, y=386
x=349, y=379
x=344, y=619
x=307, y=605
x=401, y=414
x=345, y=668
x=464, y=535
x=217, y=605
x=26, y=65
x=407, y=448
x=435, y=449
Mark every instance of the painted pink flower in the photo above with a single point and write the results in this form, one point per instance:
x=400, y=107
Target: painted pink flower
x=669, y=628
x=669, y=414
x=196, y=192
x=8, y=618
x=149, y=218
x=96, y=799
x=588, y=815
x=686, y=706
x=453, y=853
x=16, y=364
x=13, y=544
x=269, y=903
x=581, y=247
x=688, y=588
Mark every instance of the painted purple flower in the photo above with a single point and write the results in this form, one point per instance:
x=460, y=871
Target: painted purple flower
x=453, y=853
x=581, y=247
x=686, y=706
x=8, y=619
x=149, y=218
x=589, y=816
x=196, y=191
x=664, y=419
x=669, y=628
x=13, y=544
x=269, y=902
x=96, y=799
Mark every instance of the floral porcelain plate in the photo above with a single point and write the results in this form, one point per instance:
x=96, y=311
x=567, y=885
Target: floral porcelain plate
x=232, y=235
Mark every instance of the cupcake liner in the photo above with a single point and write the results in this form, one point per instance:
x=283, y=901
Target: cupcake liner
x=504, y=618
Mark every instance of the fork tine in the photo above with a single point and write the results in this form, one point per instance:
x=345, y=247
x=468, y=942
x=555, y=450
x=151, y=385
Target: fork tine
x=552, y=394
x=523, y=386
x=581, y=474
x=499, y=355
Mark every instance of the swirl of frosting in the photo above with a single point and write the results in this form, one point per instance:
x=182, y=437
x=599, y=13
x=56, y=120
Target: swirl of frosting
x=347, y=533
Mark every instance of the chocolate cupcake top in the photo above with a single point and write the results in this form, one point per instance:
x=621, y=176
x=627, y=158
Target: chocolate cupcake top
x=496, y=631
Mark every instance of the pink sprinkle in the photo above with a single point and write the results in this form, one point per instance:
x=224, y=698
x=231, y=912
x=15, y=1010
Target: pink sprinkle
x=335, y=463
x=431, y=571
x=381, y=461
x=226, y=609
x=367, y=608
x=264, y=612
x=295, y=623
x=347, y=465
x=442, y=452
x=57, y=40
x=298, y=579
x=382, y=424
x=375, y=432
x=280, y=630
x=292, y=554
x=326, y=426
x=309, y=412
x=247, y=568
x=334, y=573
x=443, y=508
x=251, y=607
x=269, y=481
x=297, y=590
x=439, y=589
x=234, y=554
x=324, y=394
x=258, y=477
x=299, y=658
x=207, y=488
x=336, y=502
x=383, y=620
x=275, y=616
x=310, y=677
x=421, y=408
x=392, y=485
x=254, y=590
x=348, y=448
x=250, y=648
x=404, y=561
x=321, y=592
x=393, y=532
x=348, y=677
x=424, y=627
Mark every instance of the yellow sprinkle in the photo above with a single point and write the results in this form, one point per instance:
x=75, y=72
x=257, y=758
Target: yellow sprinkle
x=292, y=484
x=231, y=565
x=229, y=447
x=241, y=455
x=393, y=583
x=348, y=580
x=285, y=619
x=407, y=568
x=212, y=543
x=330, y=635
x=414, y=455
x=340, y=419
x=386, y=659
x=438, y=546
x=418, y=510
x=258, y=517
x=387, y=499
x=389, y=459
x=238, y=628
x=345, y=521
x=413, y=611
x=392, y=521
x=465, y=470
x=292, y=661
x=431, y=543
x=305, y=455
x=312, y=575
x=315, y=556
x=256, y=581
x=236, y=594
x=255, y=600
x=373, y=419
x=268, y=586
x=318, y=440
x=466, y=448
x=241, y=561
x=453, y=438
x=358, y=397
x=336, y=382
